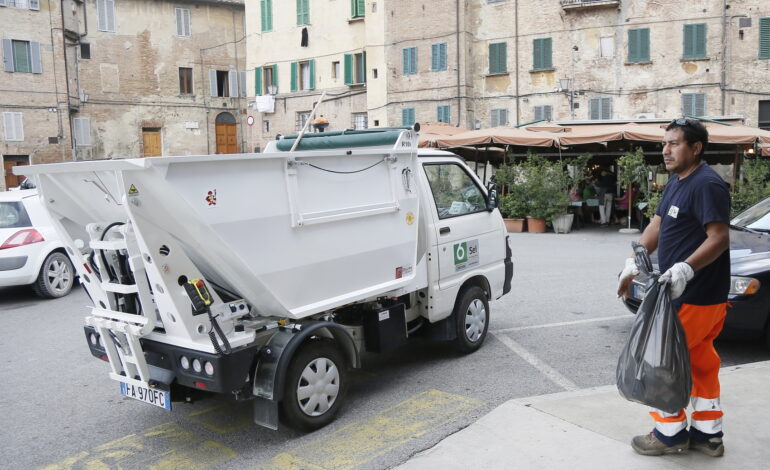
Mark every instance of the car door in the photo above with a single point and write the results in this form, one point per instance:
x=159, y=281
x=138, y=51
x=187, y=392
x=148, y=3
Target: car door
x=468, y=235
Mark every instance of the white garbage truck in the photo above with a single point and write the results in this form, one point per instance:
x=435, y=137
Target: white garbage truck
x=266, y=276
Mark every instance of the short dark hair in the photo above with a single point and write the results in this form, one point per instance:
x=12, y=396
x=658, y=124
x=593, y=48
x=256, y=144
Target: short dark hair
x=693, y=131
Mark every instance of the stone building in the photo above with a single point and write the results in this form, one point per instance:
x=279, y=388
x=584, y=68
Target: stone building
x=482, y=63
x=122, y=78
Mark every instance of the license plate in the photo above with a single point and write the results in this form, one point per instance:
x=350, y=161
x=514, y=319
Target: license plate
x=636, y=291
x=158, y=398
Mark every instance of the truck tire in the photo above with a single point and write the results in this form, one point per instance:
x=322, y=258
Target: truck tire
x=56, y=276
x=471, y=319
x=316, y=382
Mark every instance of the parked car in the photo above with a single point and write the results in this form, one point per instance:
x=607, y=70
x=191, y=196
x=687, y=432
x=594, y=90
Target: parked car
x=31, y=252
x=748, y=308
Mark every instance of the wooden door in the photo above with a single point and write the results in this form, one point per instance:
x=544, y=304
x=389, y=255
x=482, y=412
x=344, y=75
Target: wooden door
x=11, y=180
x=151, y=139
x=227, y=139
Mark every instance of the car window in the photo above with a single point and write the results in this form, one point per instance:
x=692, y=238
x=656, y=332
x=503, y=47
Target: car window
x=13, y=215
x=454, y=191
x=756, y=217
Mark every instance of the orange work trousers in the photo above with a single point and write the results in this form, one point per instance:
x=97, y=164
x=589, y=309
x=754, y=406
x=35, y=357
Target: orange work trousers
x=702, y=324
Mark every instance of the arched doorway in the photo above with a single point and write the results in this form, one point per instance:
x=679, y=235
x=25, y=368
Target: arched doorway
x=227, y=137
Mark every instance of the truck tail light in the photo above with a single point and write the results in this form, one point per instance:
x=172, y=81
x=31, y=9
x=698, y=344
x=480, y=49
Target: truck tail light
x=22, y=237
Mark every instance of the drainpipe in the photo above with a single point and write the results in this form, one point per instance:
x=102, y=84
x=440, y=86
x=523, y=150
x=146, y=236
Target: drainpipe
x=66, y=79
x=516, y=72
x=459, y=88
x=203, y=94
x=722, y=83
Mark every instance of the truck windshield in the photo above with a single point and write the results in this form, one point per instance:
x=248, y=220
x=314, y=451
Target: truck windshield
x=13, y=215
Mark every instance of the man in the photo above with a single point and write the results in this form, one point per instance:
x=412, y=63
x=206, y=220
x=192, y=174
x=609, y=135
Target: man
x=691, y=231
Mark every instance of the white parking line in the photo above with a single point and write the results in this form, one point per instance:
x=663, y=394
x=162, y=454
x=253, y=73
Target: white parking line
x=547, y=370
x=562, y=323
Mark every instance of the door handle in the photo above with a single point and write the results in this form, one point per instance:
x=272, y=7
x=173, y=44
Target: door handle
x=443, y=230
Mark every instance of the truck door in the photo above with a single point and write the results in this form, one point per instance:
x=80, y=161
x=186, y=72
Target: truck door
x=469, y=236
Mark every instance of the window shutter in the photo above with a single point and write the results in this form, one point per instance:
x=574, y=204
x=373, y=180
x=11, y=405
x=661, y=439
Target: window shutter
x=700, y=40
x=442, y=56
x=34, y=52
x=178, y=15
x=263, y=15
x=8, y=127
x=17, y=126
x=700, y=104
x=537, y=54
x=82, y=130
x=434, y=58
x=363, y=67
x=606, y=112
x=294, y=67
x=764, y=38
x=242, y=84
x=258, y=81
x=502, y=58
x=644, y=45
x=275, y=77
x=687, y=104
x=110, y=4
x=213, y=82
x=34, y=4
x=405, y=58
x=312, y=74
x=593, y=109
x=547, y=62
x=493, y=61
x=538, y=113
x=639, y=45
x=348, y=69
x=7, y=55
x=232, y=77
x=186, y=22
x=299, y=12
x=269, y=15
x=413, y=60
x=101, y=9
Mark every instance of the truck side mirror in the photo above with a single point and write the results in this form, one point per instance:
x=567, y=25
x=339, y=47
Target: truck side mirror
x=491, y=196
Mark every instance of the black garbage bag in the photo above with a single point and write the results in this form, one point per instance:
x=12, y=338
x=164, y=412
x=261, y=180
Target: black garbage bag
x=654, y=366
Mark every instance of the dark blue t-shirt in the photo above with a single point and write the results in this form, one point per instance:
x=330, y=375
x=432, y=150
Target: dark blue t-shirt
x=686, y=207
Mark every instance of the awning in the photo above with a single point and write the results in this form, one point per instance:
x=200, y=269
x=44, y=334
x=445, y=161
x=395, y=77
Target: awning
x=432, y=131
x=499, y=135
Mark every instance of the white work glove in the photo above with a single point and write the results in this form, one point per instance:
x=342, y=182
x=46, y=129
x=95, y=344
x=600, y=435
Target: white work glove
x=629, y=272
x=677, y=275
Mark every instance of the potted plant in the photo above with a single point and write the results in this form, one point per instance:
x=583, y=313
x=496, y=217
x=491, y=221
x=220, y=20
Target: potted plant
x=545, y=191
x=631, y=171
x=513, y=205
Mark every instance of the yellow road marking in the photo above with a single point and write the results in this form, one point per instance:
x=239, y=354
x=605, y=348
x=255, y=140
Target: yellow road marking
x=163, y=447
x=225, y=418
x=361, y=442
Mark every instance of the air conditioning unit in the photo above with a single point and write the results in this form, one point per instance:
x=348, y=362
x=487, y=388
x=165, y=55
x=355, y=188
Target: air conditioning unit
x=645, y=116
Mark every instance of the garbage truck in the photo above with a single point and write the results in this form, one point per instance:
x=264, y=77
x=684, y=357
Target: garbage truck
x=265, y=277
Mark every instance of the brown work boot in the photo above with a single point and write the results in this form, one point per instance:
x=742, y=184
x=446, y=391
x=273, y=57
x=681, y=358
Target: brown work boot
x=648, y=444
x=713, y=447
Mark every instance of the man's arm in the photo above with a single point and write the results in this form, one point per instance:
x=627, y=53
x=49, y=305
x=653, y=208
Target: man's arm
x=716, y=242
x=649, y=240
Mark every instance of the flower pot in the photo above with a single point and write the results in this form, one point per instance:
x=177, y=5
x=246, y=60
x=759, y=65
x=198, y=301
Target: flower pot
x=514, y=225
x=563, y=223
x=535, y=225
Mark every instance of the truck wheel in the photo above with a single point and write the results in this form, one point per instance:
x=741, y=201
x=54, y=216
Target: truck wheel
x=472, y=319
x=56, y=276
x=316, y=382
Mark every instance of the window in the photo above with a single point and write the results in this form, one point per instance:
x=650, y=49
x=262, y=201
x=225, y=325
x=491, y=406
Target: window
x=266, y=15
x=182, y=22
x=607, y=44
x=13, y=127
x=23, y=4
x=541, y=58
x=301, y=119
x=764, y=38
x=639, y=45
x=223, y=83
x=303, y=12
x=764, y=115
x=266, y=80
x=85, y=50
x=21, y=56
x=336, y=69
x=498, y=58
x=443, y=113
x=265, y=126
x=357, y=8
x=360, y=121
x=105, y=10
x=600, y=108
x=694, y=104
x=355, y=68
x=694, y=41
x=438, y=56
x=303, y=75
x=410, y=60
x=498, y=117
x=543, y=113
x=455, y=193
x=185, y=80
x=81, y=131
x=407, y=116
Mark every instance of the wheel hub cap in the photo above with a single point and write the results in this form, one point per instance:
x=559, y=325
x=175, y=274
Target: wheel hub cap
x=318, y=387
x=475, y=320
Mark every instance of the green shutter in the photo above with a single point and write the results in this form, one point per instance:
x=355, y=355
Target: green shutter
x=502, y=57
x=764, y=38
x=493, y=58
x=263, y=14
x=357, y=8
x=537, y=54
x=266, y=11
x=275, y=77
x=694, y=41
x=606, y=111
x=363, y=67
x=547, y=61
x=258, y=81
x=498, y=58
x=407, y=116
x=639, y=45
x=269, y=15
x=348, y=69
x=294, y=67
x=312, y=74
x=434, y=59
x=594, y=105
x=541, y=54
x=405, y=60
x=442, y=56
x=303, y=12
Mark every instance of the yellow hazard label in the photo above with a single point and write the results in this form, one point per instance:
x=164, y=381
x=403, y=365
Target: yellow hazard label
x=132, y=190
x=409, y=218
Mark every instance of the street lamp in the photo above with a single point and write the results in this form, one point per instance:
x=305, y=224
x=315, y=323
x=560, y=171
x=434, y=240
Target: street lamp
x=566, y=86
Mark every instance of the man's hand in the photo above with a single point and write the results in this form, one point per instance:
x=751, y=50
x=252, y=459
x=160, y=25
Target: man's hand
x=677, y=275
x=630, y=271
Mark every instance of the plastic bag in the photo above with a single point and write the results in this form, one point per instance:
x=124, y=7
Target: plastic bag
x=654, y=366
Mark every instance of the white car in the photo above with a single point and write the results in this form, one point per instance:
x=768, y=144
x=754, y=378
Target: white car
x=30, y=250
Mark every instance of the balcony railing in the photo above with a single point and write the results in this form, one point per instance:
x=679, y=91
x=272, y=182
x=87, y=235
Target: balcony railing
x=577, y=4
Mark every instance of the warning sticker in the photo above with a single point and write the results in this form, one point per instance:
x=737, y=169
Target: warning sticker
x=132, y=191
x=211, y=197
x=466, y=254
x=409, y=218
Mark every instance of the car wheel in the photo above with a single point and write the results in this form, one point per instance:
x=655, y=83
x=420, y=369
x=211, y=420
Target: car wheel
x=56, y=276
x=471, y=319
x=315, y=386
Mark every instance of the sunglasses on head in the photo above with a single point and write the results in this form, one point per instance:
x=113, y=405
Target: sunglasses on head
x=685, y=121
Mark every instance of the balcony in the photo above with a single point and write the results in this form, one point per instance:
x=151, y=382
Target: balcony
x=584, y=4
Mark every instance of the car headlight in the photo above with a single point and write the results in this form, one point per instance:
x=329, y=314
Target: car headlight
x=743, y=285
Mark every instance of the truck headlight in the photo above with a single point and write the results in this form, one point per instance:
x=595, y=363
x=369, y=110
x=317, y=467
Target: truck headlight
x=93, y=339
x=184, y=362
x=743, y=285
x=197, y=365
x=209, y=368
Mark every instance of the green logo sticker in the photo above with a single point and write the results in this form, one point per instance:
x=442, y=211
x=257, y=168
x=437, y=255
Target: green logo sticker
x=466, y=254
x=461, y=252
